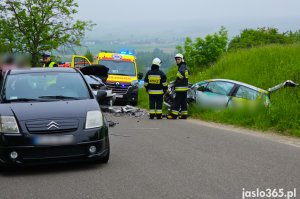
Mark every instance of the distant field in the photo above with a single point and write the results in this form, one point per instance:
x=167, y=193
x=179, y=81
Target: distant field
x=95, y=49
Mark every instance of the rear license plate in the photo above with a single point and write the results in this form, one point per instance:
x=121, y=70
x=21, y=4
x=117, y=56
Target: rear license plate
x=119, y=96
x=53, y=140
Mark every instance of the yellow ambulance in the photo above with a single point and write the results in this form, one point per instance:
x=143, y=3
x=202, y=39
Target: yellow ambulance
x=122, y=75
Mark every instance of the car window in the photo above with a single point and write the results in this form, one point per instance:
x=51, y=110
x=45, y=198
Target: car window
x=119, y=67
x=35, y=85
x=247, y=93
x=222, y=88
x=201, y=86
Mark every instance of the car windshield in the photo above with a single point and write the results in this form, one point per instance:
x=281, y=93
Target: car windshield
x=119, y=67
x=45, y=86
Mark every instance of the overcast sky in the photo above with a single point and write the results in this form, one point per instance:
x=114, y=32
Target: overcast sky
x=186, y=17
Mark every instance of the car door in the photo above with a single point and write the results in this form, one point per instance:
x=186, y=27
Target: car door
x=215, y=94
x=245, y=96
x=79, y=61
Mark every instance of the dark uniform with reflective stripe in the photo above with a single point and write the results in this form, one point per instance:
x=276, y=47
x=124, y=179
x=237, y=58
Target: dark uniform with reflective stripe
x=156, y=85
x=50, y=65
x=181, y=88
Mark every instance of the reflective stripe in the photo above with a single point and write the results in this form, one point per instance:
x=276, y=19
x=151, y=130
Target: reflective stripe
x=184, y=112
x=155, y=92
x=175, y=112
x=181, y=88
x=154, y=76
x=159, y=111
x=51, y=64
x=179, y=75
x=165, y=84
x=145, y=84
x=186, y=74
x=152, y=111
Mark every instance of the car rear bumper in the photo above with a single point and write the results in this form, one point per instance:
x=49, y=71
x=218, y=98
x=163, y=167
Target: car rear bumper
x=39, y=154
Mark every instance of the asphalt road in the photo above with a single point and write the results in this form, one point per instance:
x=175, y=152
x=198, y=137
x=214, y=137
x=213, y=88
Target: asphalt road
x=167, y=159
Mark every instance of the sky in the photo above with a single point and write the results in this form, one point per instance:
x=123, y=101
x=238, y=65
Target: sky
x=181, y=18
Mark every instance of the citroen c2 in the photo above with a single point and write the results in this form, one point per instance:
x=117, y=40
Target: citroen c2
x=50, y=115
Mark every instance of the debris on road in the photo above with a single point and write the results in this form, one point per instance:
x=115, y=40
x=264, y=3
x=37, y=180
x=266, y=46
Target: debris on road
x=112, y=123
x=126, y=110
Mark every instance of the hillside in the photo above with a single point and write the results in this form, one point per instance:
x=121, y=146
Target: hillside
x=263, y=67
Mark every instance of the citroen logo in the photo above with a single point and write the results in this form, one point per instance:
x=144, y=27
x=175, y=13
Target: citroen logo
x=53, y=125
x=117, y=84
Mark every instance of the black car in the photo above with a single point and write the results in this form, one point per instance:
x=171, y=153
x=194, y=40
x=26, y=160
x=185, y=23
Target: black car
x=50, y=115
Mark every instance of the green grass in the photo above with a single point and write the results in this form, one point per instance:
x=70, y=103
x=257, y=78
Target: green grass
x=143, y=99
x=262, y=67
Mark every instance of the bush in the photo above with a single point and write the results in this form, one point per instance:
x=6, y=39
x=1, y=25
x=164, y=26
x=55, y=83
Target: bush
x=262, y=36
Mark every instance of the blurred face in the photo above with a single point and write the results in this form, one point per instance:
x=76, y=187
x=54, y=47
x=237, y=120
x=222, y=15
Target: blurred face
x=46, y=59
x=178, y=60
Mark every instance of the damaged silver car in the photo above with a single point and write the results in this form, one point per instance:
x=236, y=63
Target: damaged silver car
x=222, y=93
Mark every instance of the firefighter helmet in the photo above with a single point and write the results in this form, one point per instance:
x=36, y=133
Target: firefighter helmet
x=179, y=55
x=156, y=61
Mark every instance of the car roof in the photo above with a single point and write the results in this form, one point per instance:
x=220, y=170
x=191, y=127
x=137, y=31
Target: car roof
x=239, y=83
x=42, y=70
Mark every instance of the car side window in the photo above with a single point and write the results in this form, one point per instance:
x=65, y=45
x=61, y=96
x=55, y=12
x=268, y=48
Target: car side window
x=201, y=87
x=247, y=93
x=222, y=88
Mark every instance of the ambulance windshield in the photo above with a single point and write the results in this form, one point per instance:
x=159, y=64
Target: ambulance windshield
x=119, y=67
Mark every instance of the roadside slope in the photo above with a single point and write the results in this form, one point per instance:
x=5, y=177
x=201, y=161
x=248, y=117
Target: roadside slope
x=263, y=67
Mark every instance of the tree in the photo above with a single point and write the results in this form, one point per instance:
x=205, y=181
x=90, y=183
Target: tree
x=294, y=36
x=144, y=60
x=37, y=26
x=89, y=55
x=204, y=52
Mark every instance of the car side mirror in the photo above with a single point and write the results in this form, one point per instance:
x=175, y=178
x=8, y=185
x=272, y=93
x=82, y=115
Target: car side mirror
x=140, y=76
x=101, y=95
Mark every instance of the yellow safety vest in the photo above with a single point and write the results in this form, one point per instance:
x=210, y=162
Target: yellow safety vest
x=50, y=65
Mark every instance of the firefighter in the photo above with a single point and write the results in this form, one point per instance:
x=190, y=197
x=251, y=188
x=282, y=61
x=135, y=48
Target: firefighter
x=156, y=85
x=179, y=107
x=48, y=62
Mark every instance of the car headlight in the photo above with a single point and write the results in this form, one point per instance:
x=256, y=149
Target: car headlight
x=93, y=119
x=8, y=124
x=135, y=83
